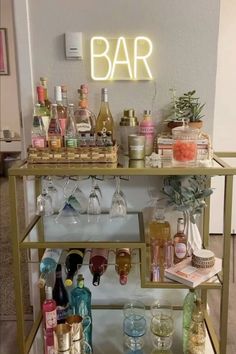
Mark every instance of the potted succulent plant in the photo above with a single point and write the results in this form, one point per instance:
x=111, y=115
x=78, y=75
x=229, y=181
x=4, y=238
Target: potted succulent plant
x=185, y=107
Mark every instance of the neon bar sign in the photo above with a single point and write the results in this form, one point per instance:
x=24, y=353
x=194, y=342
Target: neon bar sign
x=120, y=58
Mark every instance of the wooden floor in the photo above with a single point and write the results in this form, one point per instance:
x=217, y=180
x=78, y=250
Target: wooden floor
x=8, y=328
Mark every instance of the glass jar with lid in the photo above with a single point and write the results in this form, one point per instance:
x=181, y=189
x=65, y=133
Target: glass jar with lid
x=184, y=145
x=128, y=125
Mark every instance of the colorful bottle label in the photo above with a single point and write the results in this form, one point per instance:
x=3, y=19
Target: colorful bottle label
x=38, y=142
x=71, y=142
x=51, y=319
x=83, y=127
x=62, y=312
x=180, y=250
x=54, y=142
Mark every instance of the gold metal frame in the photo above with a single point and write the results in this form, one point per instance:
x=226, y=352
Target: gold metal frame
x=223, y=169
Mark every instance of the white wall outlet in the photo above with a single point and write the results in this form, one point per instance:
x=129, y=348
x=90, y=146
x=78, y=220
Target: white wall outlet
x=73, y=45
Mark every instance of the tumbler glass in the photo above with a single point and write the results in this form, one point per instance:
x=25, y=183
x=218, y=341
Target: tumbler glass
x=134, y=325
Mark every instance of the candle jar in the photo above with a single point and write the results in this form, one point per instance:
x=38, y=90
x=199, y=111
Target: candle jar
x=184, y=146
x=128, y=125
x=136, y=147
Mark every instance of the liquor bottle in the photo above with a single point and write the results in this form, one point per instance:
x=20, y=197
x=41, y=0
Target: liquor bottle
x=123, y=264
x=70, y=134
x=48, y=264
x=180, y=242
x=54, y=130
x=47, y=102
x=73, y=262
x=49, y=347
x=147, y=128
x=61, y=110
x=38, y=134
x=98, y=263
x=160, y=237
x=60, y=296
x=188, y=307
x=64, y=96
x=49, y=310
x=104, y=121
x=197, y=331
x=81, y=305
x=85, y=120
x=44, y=112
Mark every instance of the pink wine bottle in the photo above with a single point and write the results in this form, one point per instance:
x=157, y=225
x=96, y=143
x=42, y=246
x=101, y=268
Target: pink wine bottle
x=98, y=263
x=49, y=310
x=147, y=128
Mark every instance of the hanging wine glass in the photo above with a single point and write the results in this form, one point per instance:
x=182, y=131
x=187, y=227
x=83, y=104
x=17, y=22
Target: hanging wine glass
x=118, y=204
x=78, y=199
x=94, y=207
x=44, y=204
x=53, y=192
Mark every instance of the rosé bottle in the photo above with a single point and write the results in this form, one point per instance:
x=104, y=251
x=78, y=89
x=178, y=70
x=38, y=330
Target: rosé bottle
x=98, y=263
x=49, y=310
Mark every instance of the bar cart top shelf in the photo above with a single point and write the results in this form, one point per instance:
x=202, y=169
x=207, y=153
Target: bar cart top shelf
x=123, y=167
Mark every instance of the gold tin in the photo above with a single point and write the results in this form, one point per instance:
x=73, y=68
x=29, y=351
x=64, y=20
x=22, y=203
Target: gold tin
x=63, y=338
x=136, y=145
x=76, y=324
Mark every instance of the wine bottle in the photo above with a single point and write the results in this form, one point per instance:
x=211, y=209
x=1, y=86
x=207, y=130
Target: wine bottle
x=44, y=112
x=73, y=262
x=81, y=305
x=188, y=307
x=123, y=264
x=49, y=310
x=104, y=121
x=60, y=296
x=70, y=134
x=147, y=128
x=54, y=130
x=38, y=133
x=85, y=120
x=48, y=264
x=61, y=110
x=180, y=242
x=98, y=263
x=47, y=102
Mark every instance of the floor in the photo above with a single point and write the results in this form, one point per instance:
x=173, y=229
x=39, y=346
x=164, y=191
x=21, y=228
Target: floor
x=8, y=343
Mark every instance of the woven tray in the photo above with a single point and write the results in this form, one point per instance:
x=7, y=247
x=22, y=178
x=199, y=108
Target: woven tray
x=93, y=154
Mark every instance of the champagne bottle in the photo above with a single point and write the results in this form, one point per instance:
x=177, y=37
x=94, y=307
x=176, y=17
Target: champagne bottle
x=73, y=262
x=48, y=264
x=180, y=242
x=81, y=305
x=98, y=263
x=49, y=310
x=38, y=133
x=70, y=134
x=60, y=296
x=123, y=264
x=188, y=307
x=54, y=130
x=104, y=121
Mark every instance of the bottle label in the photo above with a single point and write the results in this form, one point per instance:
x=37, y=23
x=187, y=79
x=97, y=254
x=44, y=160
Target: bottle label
x=62, y=312
x=54, y=142
x=180, y=250
x=50, y=349
x=38, y=142
x=83, y=127
x=147, y=130
x=71, y=142
x=136, y=147
x=53, y=253
x=51, y=319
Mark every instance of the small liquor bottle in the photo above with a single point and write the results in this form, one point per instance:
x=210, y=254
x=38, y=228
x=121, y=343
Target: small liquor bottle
x=85, y=120
x=81, y=305
x=123, y=264
x=48, y=264
x=98, y=263
x=180, y=242
x=61, y=297
x=70, y=134
x=54, y=130
x=61, y=110
x=38, y=133
x=49, y=310
x=104, y=121
x=73, y=262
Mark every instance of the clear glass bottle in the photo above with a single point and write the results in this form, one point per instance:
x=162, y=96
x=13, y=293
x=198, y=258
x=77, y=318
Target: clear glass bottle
x=44, y=112
x=188, y=306
x=43, y=81
x=81, y=305
x=85, y=120
x=104, y=121
x=147, y=128
x=48, y=264
x=98, y=263
x=123, y=264
x=197, y=331
x=54, y=130
x=61, y=297
x=73, y=262
x=38, y=133
x=61, y=110
x=180, y=242
x=71, y=134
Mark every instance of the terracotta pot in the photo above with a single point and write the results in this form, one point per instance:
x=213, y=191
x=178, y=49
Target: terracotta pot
x=196, y=125
x=193, y=125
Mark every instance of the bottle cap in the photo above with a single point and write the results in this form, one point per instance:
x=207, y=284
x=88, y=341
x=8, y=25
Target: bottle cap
x=68, y=282
x=58, y=93
x=84, y=88
x=123, y=279
x=63, y=88
x=41, y=282
x=147, y=112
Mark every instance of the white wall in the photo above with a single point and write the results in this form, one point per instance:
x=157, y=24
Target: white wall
x=9, y=105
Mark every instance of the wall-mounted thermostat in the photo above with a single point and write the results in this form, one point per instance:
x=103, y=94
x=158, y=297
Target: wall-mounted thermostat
x=73, y=45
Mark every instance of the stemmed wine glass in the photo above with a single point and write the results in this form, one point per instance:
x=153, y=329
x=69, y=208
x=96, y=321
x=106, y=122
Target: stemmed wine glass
x=94, y=207
x=118, y=204
x=53, y=192
x=44, y=203
x=77, y=198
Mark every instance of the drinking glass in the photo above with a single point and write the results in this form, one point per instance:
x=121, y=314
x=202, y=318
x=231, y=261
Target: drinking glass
x=53, y=192
x=44, y=204
x=162, y=324
x=118, y=204
x=94, y=207
x=77, y=198
x=134, y=325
